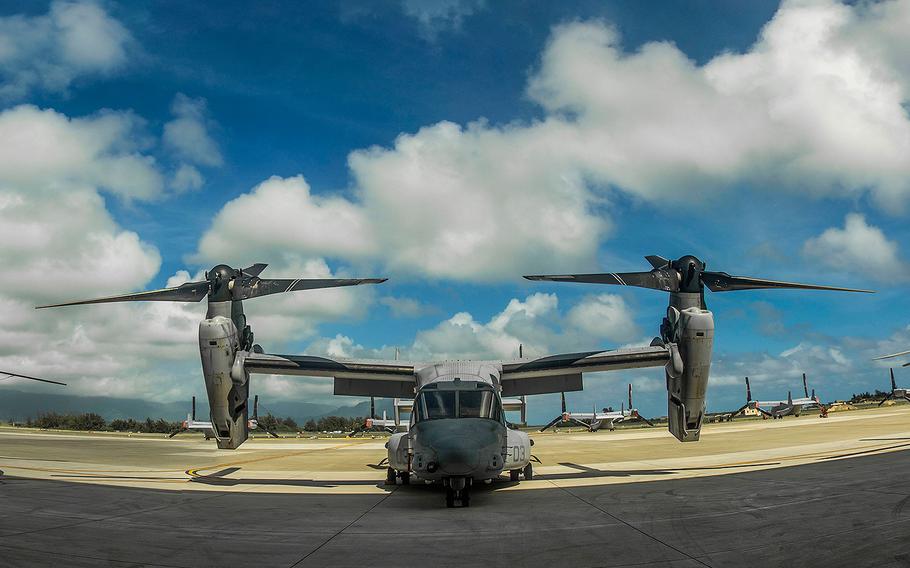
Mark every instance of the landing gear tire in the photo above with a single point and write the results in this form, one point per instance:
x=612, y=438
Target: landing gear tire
x=405, y=477
x=458, y=489
x=513, y=474
x=390, y=475
x=529, y=472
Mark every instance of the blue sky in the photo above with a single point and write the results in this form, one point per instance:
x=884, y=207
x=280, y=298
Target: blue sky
x=710, y=128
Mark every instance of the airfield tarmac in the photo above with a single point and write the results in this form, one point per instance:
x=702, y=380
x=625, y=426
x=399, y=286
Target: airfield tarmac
x=803, y=491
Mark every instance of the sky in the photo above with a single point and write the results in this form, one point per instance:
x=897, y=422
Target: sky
x=452, y=146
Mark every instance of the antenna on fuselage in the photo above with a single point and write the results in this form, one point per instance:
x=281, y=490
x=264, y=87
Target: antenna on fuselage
x=520, y=351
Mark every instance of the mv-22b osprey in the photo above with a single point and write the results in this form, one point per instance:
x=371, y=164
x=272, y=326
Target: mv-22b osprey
x=458, y=433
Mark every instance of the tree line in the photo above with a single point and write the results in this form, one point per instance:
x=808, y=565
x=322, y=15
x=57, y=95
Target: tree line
x=91, y=421
x=867, y=396
x=94, y=421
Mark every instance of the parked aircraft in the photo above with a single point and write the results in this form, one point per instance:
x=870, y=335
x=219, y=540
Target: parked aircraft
x=206, y=426
x=780, y=408
x=896, y=392
x=595, y=420
x=457, y=432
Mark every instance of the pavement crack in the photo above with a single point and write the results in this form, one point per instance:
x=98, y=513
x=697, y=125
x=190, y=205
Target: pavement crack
x=346, y=527
x=630, y=525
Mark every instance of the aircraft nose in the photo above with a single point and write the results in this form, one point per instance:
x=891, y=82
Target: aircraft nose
x=460, y=446
x=457, y=461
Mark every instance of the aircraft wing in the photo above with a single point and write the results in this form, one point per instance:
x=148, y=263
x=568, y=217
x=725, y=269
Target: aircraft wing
x=354, y=377
x=562, y=373
x=762, y=403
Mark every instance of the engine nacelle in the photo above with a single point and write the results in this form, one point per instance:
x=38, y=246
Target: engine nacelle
x=694, y=338
x=399, y=451
x=228, y=392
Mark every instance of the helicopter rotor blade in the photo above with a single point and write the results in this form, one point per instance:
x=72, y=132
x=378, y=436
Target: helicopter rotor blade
x=256, y=287
x=723, y=282
x=8, y=374
x=187, y=292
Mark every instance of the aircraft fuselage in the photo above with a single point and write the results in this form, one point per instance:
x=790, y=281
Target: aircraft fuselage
x=458, y=433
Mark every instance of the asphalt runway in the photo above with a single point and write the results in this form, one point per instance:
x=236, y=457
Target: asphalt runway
x=800, y=492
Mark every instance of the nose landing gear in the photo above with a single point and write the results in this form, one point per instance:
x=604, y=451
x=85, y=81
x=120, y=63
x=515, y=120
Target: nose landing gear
x=457, y=489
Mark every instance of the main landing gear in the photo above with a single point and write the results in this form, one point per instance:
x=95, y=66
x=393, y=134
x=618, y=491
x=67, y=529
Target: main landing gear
x=391, y=477
x=457, y=489
x=527, y=472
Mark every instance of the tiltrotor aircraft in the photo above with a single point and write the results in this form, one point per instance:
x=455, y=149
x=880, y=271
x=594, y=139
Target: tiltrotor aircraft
x=206, y=427
x=594, y=420
x=896, y=391
x=457, y=433
x=781, y=408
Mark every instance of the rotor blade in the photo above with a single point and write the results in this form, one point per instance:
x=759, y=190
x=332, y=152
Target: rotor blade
x=177, y=431
x=646, y=421
x=7, y=373
x=255, y=287
x=254, y=270
x=884, y=400
x=655, y=279
x=267, y=431
x=763, y=411
x=187, y=292
x=723, y=282
x=552, y=422
x=657, y=261
x=893, y=355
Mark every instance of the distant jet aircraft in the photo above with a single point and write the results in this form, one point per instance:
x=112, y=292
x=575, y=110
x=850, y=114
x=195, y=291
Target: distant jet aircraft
x=896, y=392
x=594, y=420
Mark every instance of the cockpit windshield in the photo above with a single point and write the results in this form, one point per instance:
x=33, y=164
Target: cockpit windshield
x=475, y=404
x=433, y=404
x=438, y=404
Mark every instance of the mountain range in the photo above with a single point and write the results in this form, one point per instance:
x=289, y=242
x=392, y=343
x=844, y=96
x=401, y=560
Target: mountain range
x=17, y=406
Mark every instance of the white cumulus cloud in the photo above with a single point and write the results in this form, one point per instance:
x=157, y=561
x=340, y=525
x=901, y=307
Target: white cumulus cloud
x=817, y=106
x=50, y=51
x=187, y=134
x=59, y=242
x=859, y=248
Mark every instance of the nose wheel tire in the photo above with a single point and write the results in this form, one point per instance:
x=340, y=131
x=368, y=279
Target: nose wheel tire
x=529, y=472
x=513, y=474
x=462, y=495
x=390, y=475
x=405, y=477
